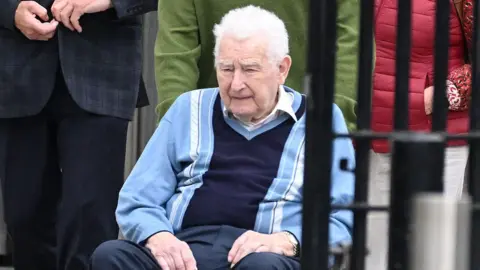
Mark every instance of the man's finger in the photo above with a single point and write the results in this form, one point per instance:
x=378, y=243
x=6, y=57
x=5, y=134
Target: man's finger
x=43, y=37
x=236, y=245
x=75, y=19
x=178, y=260
x=38, y=10
x=188, y=259
x=51, y=27
x=43, y=29
x=244, y=251
x=57, y=8
x=65, y=16
x=163, y=264
x=169, y=259
x=50, y=36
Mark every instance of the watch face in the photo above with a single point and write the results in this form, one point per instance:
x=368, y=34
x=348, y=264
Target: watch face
x=295, y=244
x=293, y=239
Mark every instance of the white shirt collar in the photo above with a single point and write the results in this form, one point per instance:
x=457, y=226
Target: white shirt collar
x=284, y=105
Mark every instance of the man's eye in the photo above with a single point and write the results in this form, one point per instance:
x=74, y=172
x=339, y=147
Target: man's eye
x=227, y=70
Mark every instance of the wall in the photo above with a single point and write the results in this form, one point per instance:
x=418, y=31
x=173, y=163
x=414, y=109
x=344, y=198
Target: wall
x=144, y=123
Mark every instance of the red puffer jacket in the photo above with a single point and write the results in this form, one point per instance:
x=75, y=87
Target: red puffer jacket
x=421, y=68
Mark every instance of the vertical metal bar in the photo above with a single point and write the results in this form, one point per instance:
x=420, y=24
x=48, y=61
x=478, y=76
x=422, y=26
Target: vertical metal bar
x=442, y=41
x=402, y=64
x=319, y=88
x=411, y=154
x=399, y=190
x=440, y=233
x=362, y=157
x=474, y=158
x=440, y=103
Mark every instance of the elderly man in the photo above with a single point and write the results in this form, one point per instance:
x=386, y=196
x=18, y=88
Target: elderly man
x=219, y=184
x=183, y=50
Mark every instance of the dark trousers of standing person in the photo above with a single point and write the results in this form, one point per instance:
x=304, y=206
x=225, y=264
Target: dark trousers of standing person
x=62, y=173
x=209, y=244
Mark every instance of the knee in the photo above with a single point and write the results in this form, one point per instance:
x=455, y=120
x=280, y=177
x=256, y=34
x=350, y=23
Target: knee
x=260, y=261
x=108, y=253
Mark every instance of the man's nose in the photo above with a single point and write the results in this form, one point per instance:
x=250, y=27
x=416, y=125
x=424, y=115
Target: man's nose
x=238, y=82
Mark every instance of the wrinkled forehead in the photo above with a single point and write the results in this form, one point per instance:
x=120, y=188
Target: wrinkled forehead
x=247, y=51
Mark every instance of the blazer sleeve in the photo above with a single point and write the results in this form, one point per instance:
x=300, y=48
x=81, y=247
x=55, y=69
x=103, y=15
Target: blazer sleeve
x=130, y=8
x=7, y=14
x=177, y=50
x=348, y=21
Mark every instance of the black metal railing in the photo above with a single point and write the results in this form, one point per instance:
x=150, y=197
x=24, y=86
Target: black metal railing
x=319, y=85
x=410, y=149
x=474, y=158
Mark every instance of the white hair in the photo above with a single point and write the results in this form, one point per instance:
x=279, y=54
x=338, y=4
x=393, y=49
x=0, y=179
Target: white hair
x=249, y=21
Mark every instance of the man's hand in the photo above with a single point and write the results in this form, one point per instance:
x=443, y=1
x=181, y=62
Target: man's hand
x=428, y=99
x=251, y=242
x=70, y=11
x=32, y=20
x=171, y=253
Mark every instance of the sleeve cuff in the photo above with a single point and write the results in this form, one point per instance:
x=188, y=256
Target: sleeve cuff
x=147, y=231
x=144, y=242
x=129, y=8
x=138, y=228
x=7, y=15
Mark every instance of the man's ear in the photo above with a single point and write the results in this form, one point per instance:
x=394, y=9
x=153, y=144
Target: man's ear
x=284, y=68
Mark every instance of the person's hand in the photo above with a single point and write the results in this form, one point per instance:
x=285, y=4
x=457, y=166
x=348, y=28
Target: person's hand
x=69, y=11
x=251, y=242
x=32, y=20
x=171, y=253
x=428, y=99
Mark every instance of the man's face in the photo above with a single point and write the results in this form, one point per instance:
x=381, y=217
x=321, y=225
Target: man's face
x=248, y=81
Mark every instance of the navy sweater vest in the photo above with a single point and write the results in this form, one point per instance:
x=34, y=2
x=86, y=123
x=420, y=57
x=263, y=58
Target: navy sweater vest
x=239, y=175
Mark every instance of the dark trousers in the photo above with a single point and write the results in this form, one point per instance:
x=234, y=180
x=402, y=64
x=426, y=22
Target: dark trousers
x=62, y=172
x=209, y=244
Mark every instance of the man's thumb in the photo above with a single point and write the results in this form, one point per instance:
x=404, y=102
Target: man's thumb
x=36, y=9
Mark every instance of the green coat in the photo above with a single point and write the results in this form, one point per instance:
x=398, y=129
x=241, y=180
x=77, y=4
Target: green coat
x=184, y=47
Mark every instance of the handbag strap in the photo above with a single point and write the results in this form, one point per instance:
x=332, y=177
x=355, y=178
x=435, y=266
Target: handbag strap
x=459, y=8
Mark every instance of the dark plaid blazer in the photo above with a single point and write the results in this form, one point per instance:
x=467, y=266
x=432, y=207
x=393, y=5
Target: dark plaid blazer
x=101, y=66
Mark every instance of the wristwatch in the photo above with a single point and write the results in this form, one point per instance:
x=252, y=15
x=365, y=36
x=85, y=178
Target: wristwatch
x=293, y=240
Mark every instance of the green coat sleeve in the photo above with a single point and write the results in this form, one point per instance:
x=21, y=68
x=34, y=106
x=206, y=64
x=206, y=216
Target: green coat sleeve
x=177, y=50
x=348, y=27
